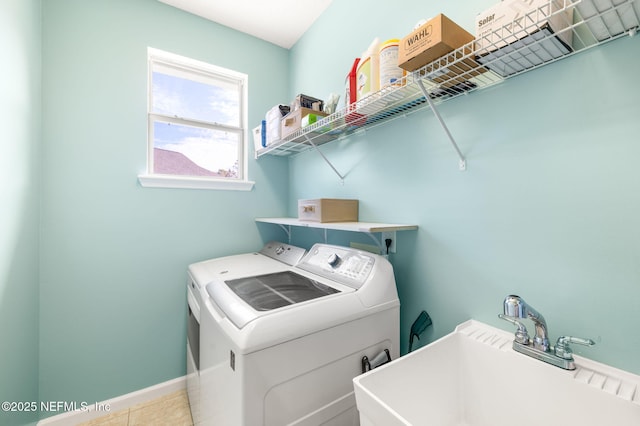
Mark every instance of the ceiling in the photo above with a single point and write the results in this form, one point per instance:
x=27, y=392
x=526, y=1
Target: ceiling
x=281, y=22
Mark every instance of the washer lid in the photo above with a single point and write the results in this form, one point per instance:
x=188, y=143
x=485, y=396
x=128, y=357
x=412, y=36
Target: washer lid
x=264, y=293
x=272, y=291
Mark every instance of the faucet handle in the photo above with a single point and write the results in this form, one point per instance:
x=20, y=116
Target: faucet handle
x=522, y=336
x=562, y=348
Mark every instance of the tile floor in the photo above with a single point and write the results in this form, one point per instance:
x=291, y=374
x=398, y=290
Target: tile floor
x=169, y=410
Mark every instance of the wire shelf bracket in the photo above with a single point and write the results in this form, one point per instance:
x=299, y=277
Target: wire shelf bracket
x=463, y=162
x=324, y=157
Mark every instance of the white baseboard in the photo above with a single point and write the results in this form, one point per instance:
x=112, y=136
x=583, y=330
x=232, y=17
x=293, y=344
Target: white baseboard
x=118, y=403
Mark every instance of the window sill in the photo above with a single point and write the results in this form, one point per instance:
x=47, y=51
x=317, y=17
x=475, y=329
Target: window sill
x=188, y=182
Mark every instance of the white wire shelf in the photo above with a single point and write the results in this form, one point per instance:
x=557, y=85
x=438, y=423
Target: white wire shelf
x=524, y=44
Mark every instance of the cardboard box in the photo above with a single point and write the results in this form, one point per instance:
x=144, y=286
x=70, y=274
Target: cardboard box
x=328, y=210
x=293, y=121
x=435, y=38
x=515, y=35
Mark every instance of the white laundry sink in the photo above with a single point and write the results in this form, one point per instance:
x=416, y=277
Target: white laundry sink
x=472, y=377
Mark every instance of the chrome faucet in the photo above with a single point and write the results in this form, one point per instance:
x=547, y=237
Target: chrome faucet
x=516, y=308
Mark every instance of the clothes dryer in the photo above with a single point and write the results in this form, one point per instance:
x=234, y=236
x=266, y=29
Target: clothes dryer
x=280, y=343
x=272, y=255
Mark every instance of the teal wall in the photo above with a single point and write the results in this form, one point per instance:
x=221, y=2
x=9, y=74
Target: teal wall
x=114, y=254
x=548, y=207
x=19, y=177
x=92, y=266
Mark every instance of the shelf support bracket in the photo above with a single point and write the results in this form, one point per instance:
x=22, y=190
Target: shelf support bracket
x=287, y=230
x=324, y=158
x=462, y=163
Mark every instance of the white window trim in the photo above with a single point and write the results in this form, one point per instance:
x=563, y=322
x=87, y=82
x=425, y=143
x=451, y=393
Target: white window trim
x=193, y=182
x=153, y=180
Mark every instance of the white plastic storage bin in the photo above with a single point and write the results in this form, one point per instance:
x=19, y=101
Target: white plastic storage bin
x=273, y=119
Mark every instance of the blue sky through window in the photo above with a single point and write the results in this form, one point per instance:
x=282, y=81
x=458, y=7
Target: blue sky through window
x=195, y=100
x=184, y=98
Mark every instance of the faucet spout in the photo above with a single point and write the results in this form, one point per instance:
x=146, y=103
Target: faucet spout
x=561, y=355
x=516, y=307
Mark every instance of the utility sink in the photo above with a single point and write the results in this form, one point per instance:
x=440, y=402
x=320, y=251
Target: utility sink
x=472, y=377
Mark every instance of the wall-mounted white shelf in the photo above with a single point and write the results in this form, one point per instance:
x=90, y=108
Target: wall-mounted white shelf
x=369, y=228
x=340, y=226
x=593, y=23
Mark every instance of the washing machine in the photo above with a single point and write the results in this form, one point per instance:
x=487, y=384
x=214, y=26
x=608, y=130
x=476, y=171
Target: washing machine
x=280, y=342
x=271, y=257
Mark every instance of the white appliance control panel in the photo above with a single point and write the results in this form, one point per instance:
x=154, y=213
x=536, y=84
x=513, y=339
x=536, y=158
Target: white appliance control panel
x=285, y=253
x=347, y=266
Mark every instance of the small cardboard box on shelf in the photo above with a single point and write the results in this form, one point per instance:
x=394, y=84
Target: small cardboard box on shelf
x=432, y=40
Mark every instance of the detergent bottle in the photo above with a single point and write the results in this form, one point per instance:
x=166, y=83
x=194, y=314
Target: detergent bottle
x=390, y=72
x=368, y=72
x=351, y=84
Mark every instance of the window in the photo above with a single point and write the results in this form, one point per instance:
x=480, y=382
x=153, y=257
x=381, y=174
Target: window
x=197, y=125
